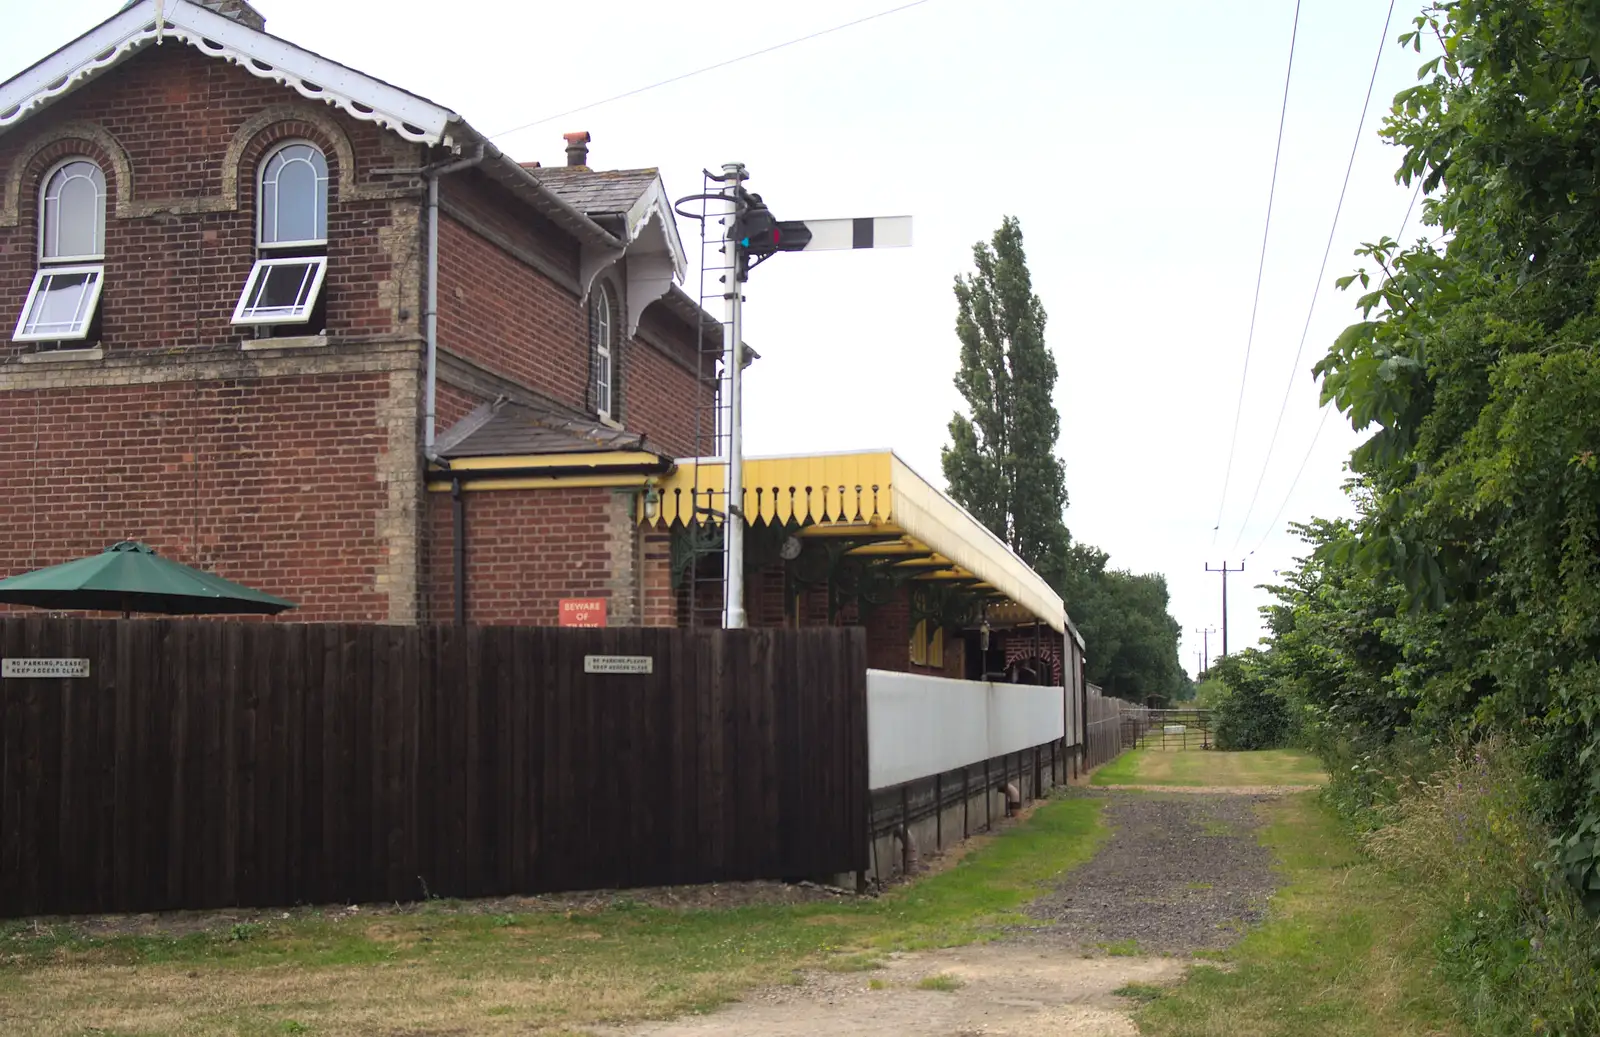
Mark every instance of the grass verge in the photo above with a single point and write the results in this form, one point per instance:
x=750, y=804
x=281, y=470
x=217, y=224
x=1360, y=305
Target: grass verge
x=546, y=972
x=1197, y=768
x=1345, y=953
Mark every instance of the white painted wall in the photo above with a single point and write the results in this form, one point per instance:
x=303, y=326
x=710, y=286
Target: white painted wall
x=918, y=726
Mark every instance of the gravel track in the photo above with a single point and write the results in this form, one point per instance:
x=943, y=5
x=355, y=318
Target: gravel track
x=1180, y=873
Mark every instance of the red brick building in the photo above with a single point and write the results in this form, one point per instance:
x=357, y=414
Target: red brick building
x=295, y=325
x=250, y=287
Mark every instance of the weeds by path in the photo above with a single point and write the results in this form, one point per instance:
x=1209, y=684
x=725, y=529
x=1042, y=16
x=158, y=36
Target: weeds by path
x=1343, y=954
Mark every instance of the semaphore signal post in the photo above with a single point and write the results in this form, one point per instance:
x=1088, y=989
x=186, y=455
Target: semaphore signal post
x=753, y=236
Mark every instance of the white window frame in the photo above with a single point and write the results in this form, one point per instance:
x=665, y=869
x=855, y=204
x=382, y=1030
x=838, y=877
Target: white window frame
x=300, y=314
x=322, y=180
x=604, y=352
x=46, y=223
x=86, y=309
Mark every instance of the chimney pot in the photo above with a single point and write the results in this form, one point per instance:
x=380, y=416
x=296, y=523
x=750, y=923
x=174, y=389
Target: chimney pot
x=577, y=148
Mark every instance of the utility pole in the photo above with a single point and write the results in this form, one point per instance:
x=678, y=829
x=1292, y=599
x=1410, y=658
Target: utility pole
x=1205, y=634
x=1224, y=570
x=754, y=235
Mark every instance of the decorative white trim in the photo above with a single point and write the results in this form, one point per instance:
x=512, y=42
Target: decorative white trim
x=650, y=276
x=591, y=260
x=654, y=203
x=114, y=40
x=63, y=356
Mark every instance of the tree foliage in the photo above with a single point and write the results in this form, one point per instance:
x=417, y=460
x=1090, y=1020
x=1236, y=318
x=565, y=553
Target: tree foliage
x=1467, y=594
x=1001, y=462
x=1252, y=713
x=1002, y=465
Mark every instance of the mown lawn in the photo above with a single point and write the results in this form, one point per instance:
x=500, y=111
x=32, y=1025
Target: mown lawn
x=448, y=970
x=1211, y=767
x=1346, y=952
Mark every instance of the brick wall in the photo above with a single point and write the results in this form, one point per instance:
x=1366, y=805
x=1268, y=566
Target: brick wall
x=508, y=303
x=179, y=136
x=889, y=641
x=888, y=626
x=298, y=470
x=509, y=318
x=527, y=549
x=1019, y=645
x=453, y=404
x=279, y=484
x=659, y=595
x=659, y=381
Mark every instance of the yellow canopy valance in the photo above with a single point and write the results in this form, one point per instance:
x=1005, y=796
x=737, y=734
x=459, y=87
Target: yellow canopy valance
x=867, y=495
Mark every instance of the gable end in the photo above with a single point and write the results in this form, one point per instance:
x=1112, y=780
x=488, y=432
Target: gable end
x=310, y=75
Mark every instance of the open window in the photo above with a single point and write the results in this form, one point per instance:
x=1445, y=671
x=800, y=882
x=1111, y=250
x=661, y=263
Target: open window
x=61, y=304
x=281, y=291
x=285, y=284
x=64, y=300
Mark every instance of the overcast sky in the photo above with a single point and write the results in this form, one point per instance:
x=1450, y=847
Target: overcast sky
x=1134, y=142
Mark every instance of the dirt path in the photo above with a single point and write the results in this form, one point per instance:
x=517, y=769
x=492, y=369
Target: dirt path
x=1000, y=989
x=1180, y=873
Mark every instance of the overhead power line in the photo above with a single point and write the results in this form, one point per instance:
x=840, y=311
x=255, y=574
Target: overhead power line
x=709, y=68
x=1326, y=410
x=1316, y=289
x=1261, y=269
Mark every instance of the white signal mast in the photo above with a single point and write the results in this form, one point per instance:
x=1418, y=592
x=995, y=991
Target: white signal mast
x=754, y=234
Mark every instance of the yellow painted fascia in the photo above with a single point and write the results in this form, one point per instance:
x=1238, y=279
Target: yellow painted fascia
x=802, y=491
x=849, y=529
x=597, y=459
x=543, y=482
x=893, y=549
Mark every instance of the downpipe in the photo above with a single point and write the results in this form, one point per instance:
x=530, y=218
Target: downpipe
x=430, y=308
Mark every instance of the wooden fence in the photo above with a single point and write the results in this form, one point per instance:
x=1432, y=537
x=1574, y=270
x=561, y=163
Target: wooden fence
x=1106, y=730
x=206, y=764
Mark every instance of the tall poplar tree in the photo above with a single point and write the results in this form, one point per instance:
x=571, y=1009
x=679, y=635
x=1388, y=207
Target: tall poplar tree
x=1001, y=463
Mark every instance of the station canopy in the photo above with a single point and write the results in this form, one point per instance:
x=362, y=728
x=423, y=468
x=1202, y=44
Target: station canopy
x=872, y=500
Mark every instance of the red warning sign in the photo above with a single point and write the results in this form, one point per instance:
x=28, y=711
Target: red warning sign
x=583, y=612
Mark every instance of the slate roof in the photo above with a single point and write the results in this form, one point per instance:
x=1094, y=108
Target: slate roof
x=507, y=428
x=610, y=192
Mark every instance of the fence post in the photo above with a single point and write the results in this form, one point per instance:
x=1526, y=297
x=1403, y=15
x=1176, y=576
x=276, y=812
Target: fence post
x=938, y=811
x=966, y=801
x=905, y=826
x=988, y=799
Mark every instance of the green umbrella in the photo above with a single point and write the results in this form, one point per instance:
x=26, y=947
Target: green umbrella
x=130, y=577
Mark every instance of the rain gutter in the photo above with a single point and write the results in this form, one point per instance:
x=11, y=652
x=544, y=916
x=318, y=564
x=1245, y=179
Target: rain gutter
x=660, y=466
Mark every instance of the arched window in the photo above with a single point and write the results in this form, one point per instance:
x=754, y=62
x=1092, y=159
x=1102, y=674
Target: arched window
x=602, y=343
x=65, y=294
x=286, y=281
x=72, y=213
x=294, y=197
